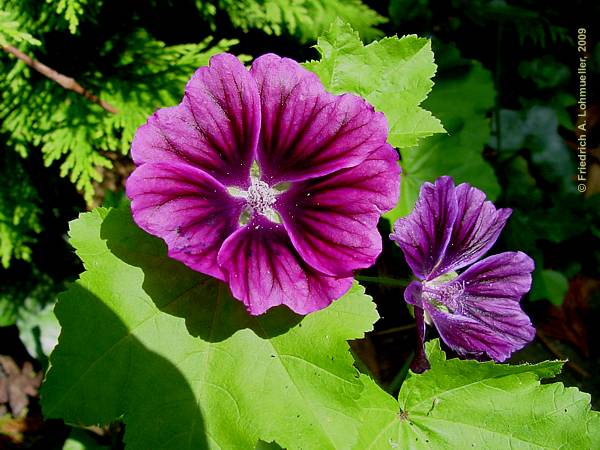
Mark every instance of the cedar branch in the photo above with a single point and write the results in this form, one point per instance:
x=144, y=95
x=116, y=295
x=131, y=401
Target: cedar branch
x=65, y=81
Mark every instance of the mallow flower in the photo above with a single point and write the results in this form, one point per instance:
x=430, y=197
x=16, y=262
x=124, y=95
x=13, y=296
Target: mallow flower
x=476, y=312
x=262, y=179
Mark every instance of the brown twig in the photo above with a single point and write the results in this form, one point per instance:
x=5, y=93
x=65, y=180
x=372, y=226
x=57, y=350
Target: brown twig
x=560, y=355
x=66, y=82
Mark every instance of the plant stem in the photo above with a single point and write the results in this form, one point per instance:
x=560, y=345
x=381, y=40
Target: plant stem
x=385, y=281
x=65, y=81
x=396, y=383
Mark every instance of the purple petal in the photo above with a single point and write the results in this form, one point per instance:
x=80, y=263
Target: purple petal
x=468, y=337
x=332, y=220
x=307, y=132
x=215, y=128
x=484, y=313
x=187, y=208
x=477, y=227
x=493, y=289
x=413, y=294
x=264, y=271
x=425, y=233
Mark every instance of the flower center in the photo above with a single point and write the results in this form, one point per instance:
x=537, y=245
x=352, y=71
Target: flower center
x=261, y=197
x=444, y=293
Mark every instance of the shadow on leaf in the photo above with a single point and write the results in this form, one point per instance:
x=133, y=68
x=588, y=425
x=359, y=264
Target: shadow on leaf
x=101, y=372
x=205, y=303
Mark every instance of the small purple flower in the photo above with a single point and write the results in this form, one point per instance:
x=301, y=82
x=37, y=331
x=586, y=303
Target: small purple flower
x=263, y=180
x=476, y=312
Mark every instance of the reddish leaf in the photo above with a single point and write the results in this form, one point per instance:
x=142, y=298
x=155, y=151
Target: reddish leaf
x=569, y=322
x=17, y=385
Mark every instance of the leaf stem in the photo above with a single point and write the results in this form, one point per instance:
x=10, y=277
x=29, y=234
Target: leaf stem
x=396, y=383
x=385, y=281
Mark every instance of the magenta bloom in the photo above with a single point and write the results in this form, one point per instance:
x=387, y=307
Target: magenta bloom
x=478, y=311
x=263, y=180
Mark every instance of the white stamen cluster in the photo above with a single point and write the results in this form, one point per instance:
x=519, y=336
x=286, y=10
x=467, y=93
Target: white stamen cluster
x=261, y=197
x=443, y=294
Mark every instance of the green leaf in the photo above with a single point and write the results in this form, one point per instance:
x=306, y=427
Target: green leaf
x=521, y=188
x=545, y=72
x=80, y=440
x=550, y=285
x=513, y=132
x=262, y=445
x=25, y=289
x=38, y=329
x=549, y=151
x=594, y=429
x=462, y=103
x=563, y=219
x=168, y=350
x=468, y=404
x=537, y=129
x=393, y=74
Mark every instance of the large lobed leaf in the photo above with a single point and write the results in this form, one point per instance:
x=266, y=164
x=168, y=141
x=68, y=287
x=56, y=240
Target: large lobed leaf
x=461, y=99
x=468, y=404
x=168, y=350
x=393, y=74
x=171, y=353
x=537, y=130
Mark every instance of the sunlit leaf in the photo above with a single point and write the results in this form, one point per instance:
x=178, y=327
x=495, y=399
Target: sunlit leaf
x=462, y=102
x=393, y=74
x=168, y=350
x=468, y=404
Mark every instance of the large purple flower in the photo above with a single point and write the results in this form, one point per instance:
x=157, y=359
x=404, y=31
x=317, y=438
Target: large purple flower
x=262, y=179
x=478, y=311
